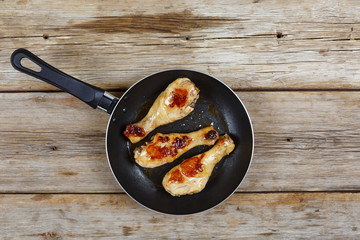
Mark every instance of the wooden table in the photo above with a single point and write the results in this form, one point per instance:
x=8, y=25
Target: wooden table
x=296, y=66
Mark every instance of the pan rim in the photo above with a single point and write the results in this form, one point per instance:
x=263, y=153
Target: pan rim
x=179, y=69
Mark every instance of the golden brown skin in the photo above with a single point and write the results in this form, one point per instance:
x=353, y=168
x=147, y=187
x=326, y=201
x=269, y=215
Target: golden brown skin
x=176, y=102
x=165, y=148
x=192, y=174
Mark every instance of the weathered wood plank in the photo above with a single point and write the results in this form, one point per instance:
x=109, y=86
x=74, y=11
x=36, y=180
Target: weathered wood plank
x=304, y=141
x=249, y=45
x=116, y=216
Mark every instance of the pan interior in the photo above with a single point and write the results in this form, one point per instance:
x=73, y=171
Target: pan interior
x=217, y=106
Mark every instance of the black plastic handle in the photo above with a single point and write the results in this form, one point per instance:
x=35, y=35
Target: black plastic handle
x=93, y=96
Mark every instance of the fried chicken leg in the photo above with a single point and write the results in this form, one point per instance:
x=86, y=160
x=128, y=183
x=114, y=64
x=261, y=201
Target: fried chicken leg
x=192, y=174
x=176, y=102
x=165, y=148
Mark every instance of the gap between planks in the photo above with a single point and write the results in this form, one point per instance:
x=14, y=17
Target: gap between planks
x=245, y=192
x=122, y=90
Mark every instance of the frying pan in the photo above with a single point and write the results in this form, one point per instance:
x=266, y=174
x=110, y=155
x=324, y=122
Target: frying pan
x=217, y=105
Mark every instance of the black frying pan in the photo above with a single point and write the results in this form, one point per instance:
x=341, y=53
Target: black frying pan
x=217, y=105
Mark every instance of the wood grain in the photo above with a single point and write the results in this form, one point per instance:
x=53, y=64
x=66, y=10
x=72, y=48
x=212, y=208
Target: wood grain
x=248, y=44
x=116, y=216
x=304, y=141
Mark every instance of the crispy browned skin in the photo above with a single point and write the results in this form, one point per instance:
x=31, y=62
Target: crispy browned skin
x=176, y=102
x=192, y=174
x=165, y=148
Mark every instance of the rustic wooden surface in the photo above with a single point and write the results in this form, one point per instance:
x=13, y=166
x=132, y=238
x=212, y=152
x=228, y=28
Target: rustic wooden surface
x=248, y=44
x=295, y=66
x=60, y=142
x=93, y=216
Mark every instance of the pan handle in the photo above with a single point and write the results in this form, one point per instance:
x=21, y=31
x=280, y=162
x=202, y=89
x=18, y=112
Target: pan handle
x=93, y=96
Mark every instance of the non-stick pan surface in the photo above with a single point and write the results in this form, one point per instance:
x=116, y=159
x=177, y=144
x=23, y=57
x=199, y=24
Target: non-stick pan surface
x=217, y=105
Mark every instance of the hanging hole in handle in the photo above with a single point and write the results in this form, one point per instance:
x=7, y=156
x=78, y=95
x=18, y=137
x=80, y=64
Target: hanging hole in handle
x=27, y=63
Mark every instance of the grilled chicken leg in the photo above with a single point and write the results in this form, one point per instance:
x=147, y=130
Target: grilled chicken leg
x=176, y=102
x=192, y=174
x=165, y=148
